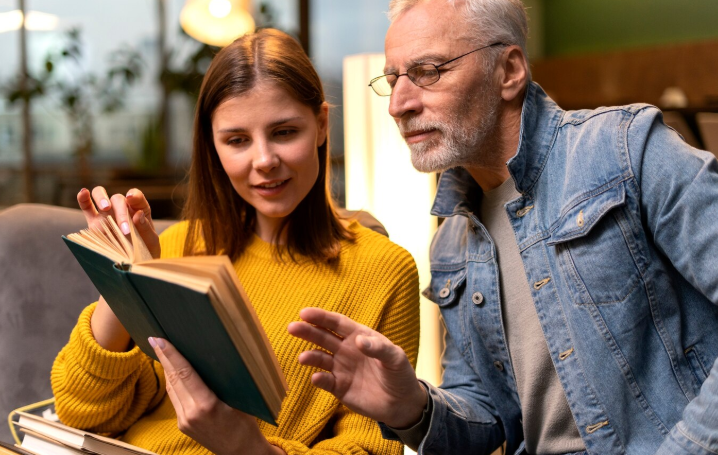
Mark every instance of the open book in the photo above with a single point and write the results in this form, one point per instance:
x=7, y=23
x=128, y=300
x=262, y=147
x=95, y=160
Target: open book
x=195, y=302
x=47, y=437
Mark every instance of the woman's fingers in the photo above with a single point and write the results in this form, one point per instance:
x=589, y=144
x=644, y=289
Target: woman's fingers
x=84, y=200
x=147, y=232
x=137, y=201
x=179, y=373
x=122, y=215
x=102, y=201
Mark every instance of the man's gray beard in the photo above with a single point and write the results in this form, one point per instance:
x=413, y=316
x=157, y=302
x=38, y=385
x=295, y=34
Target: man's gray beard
x=456, y=145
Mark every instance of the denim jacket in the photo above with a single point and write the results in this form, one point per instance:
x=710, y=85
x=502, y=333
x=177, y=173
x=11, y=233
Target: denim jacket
x=617, y=227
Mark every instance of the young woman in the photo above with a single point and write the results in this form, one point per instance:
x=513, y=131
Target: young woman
x=258, y=192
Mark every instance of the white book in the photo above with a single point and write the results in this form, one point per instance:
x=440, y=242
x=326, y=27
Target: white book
x=44, y=434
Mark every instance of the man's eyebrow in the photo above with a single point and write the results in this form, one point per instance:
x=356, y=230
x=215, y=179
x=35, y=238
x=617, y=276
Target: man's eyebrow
x=423, y=58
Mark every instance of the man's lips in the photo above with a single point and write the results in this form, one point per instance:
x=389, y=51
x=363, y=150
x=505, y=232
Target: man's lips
x=417, y=136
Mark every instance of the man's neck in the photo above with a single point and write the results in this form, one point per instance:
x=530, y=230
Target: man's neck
x=501, y=145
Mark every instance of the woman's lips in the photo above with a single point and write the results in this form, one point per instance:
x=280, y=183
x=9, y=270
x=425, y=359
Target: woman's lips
x=271, y=188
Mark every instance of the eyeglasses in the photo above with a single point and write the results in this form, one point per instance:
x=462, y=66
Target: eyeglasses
x=421, y=75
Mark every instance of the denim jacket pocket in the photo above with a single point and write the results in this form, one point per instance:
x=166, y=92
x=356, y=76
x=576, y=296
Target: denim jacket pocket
x=698, y=367
x=591, y=234
x=445, y=286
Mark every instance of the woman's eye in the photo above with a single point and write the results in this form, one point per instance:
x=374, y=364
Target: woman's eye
x=285, y=133
x=235, y=141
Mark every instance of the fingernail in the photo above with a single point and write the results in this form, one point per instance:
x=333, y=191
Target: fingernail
x=129, y=195
x=125, y=228
x=83, y=189
x=142, y=217
x=160, y=342
x=152, y=342
x=366, y=343
x=104, y=204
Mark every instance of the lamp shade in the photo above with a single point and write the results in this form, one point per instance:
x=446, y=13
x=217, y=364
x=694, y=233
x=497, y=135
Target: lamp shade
x=216, y=22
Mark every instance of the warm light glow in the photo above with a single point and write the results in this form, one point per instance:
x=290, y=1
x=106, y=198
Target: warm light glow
x=36, y=21
x=203, y=20
x=219, y=8
x=381, y=180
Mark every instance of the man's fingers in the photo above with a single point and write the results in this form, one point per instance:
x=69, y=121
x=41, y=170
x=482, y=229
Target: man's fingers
x=337, y=323
x=317, y=335
x=325, y=381
x=318, y=359
x=380, y=348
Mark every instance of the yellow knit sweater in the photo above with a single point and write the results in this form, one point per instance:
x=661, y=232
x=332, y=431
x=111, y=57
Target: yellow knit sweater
x=374, y=283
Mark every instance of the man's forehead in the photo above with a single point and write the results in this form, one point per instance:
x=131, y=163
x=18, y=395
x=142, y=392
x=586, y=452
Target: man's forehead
x=430, y=28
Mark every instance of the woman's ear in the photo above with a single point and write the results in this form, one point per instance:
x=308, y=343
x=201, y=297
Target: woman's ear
x=322, y=123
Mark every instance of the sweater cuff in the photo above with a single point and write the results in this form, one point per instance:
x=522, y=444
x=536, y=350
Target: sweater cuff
x=97, y=360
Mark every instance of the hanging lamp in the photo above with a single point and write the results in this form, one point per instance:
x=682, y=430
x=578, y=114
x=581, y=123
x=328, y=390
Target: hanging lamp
x=216, y=22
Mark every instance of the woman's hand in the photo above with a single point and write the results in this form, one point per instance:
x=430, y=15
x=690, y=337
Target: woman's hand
x=106, y=328
x=125, y=209
x=202, y=416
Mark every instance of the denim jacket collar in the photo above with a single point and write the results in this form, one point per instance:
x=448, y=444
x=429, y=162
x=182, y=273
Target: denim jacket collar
x=458, y=192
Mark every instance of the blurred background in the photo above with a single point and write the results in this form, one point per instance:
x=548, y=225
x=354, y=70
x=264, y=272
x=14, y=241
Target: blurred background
x=103, y=92
x=100, y=92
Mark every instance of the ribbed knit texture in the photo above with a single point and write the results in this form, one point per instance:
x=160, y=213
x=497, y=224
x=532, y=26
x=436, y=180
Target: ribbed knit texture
x=375, y=282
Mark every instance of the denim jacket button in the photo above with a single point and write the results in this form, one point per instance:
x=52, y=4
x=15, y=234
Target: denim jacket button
x=499, y=366
x=477, y=298
x=444, y=293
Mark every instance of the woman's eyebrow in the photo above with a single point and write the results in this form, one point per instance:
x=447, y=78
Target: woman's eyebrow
x=274, y=124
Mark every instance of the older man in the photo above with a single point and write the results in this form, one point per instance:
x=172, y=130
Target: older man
x=576, y=271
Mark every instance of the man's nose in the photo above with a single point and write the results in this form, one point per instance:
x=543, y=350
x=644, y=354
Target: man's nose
x=405, y=98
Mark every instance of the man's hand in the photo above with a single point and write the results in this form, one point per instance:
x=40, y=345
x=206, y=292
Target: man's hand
x=365, y=371
x=202, y=416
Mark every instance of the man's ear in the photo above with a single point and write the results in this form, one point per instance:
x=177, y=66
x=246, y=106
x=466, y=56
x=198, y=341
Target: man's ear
x=513, y=73
x=322, y=123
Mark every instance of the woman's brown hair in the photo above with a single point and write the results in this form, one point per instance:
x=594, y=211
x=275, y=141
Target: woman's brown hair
x=216, y=213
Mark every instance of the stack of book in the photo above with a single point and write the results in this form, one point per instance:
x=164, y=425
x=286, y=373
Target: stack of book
x=48, y=437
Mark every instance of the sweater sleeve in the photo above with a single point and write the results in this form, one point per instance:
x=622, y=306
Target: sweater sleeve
x=99, y=390
x=399, y=321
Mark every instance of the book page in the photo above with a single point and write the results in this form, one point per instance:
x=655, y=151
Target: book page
x=45, y=445
x=74, y=438
x=54, y=430
x=109, y=241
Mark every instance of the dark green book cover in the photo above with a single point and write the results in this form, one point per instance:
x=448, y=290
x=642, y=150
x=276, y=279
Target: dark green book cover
x=148, y=307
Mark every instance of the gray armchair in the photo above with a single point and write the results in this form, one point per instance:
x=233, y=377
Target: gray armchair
x=42, y=292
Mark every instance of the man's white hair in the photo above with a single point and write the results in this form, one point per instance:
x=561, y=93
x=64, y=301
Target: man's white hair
x=493, y=21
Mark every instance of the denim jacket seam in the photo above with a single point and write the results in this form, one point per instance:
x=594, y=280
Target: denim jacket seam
x=626, y=370
x=698, y=443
